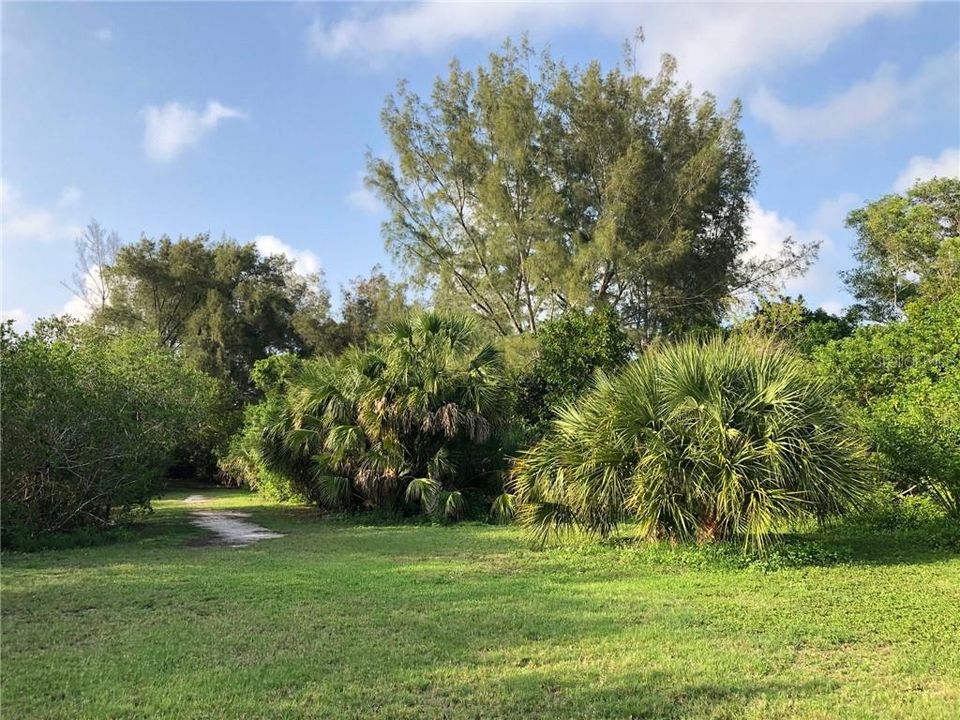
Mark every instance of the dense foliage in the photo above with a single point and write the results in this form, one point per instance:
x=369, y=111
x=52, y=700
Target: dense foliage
x=713, y=440
x=221, y=305
x=569, y=350
x=791, y=321
x=586, y=218
x=904, y=380
x=90, y=423
x=907, y=244
x=519, y=192
x=415, y=416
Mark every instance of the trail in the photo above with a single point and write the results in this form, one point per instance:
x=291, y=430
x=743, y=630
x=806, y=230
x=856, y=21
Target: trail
x=228, y=527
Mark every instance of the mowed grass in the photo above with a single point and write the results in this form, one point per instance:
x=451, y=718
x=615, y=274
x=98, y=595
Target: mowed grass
x=344, y=620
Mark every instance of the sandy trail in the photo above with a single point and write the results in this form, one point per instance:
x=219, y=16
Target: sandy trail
x=229, y=527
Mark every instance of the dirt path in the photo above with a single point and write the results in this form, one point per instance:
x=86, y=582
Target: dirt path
x=229, y=527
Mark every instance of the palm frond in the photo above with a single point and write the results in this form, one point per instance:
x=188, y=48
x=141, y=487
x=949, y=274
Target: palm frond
x=504, y=508
x=423, y=491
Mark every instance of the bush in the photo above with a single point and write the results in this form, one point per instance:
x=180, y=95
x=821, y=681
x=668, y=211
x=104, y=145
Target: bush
x=904, y=381
x=907, y=518
x=90, y=424
x=712, y=441
x=570, y=349
x=416, y=417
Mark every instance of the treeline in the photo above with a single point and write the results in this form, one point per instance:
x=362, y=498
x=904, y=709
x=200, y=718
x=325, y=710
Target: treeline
x=99, y=415
x=577, y=362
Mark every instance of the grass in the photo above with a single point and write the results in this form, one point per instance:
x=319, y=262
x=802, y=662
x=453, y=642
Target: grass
x=344, y=620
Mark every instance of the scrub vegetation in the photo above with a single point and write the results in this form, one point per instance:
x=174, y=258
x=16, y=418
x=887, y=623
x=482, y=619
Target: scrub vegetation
x=579, y=459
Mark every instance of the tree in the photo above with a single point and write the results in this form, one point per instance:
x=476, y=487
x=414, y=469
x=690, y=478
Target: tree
x=222, y=305
x=368, y=305
x=415, y=415
x=903, y=379
x=90, y=424
x=711, y=441
x=791, y=320
x=96, y=252
x=906, y=244
x=571, y=348
x=519, y=193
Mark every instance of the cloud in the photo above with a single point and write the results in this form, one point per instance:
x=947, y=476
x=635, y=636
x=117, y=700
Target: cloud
x=170, y=129
x=18, y=315
x=77, y=307
x=70, y=197
x=716, y=44
x=304, y=261
x=921, y=167
x=21, y=222
x=103, y=34
x=832, y=214
x=886, y=100
x=820, y=285
x=363, y=199
x=767, y=230
x=426, y=28
x=81, y=307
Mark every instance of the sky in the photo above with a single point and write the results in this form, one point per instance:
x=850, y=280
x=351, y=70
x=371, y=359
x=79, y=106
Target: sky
x=252, y=120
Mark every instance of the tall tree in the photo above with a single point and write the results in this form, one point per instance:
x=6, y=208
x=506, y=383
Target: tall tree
x=369, y=304
x=789, y=319
x=520, y=193
x=223, y=305
x=906, y=244
x=96, y=251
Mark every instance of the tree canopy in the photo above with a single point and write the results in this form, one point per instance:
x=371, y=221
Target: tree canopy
x=906, y=244
x=519, y=193
x=223, y=305
x=791, y=320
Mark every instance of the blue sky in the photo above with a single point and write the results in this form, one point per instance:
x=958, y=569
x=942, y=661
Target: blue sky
x=251, y=120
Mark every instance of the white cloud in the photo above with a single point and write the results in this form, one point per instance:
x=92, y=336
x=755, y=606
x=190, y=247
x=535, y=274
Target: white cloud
x=886, y=100
x=18, y=315
x=921, y=167
x=103, y=34
x=832, y=214
x=767, y=230
x=715, y=43
x=820, y=285
x=76, y=307
x=82, y=307
x=304, y=261
x=170, y=129
x=23, y=222
x=425, y=28
x=363, y=199
x=70, y=197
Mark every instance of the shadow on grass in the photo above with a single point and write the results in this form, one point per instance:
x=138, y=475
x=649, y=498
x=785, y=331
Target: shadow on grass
x=935, y=540
x=653, y=695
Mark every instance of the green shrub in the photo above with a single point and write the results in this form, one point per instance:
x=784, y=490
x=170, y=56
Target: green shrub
x=416, y=418
x=903, y=378
x=91, y=422
x=908, y=518
x=707, y=440
x=257, y=458
x=569, y=350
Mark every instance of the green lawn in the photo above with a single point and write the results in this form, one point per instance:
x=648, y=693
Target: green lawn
x=339, y=619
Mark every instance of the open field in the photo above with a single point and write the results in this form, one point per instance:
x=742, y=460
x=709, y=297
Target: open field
x=342, y=619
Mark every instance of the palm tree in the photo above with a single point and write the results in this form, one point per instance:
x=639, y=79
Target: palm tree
x=700, y=440
x=398, y=418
